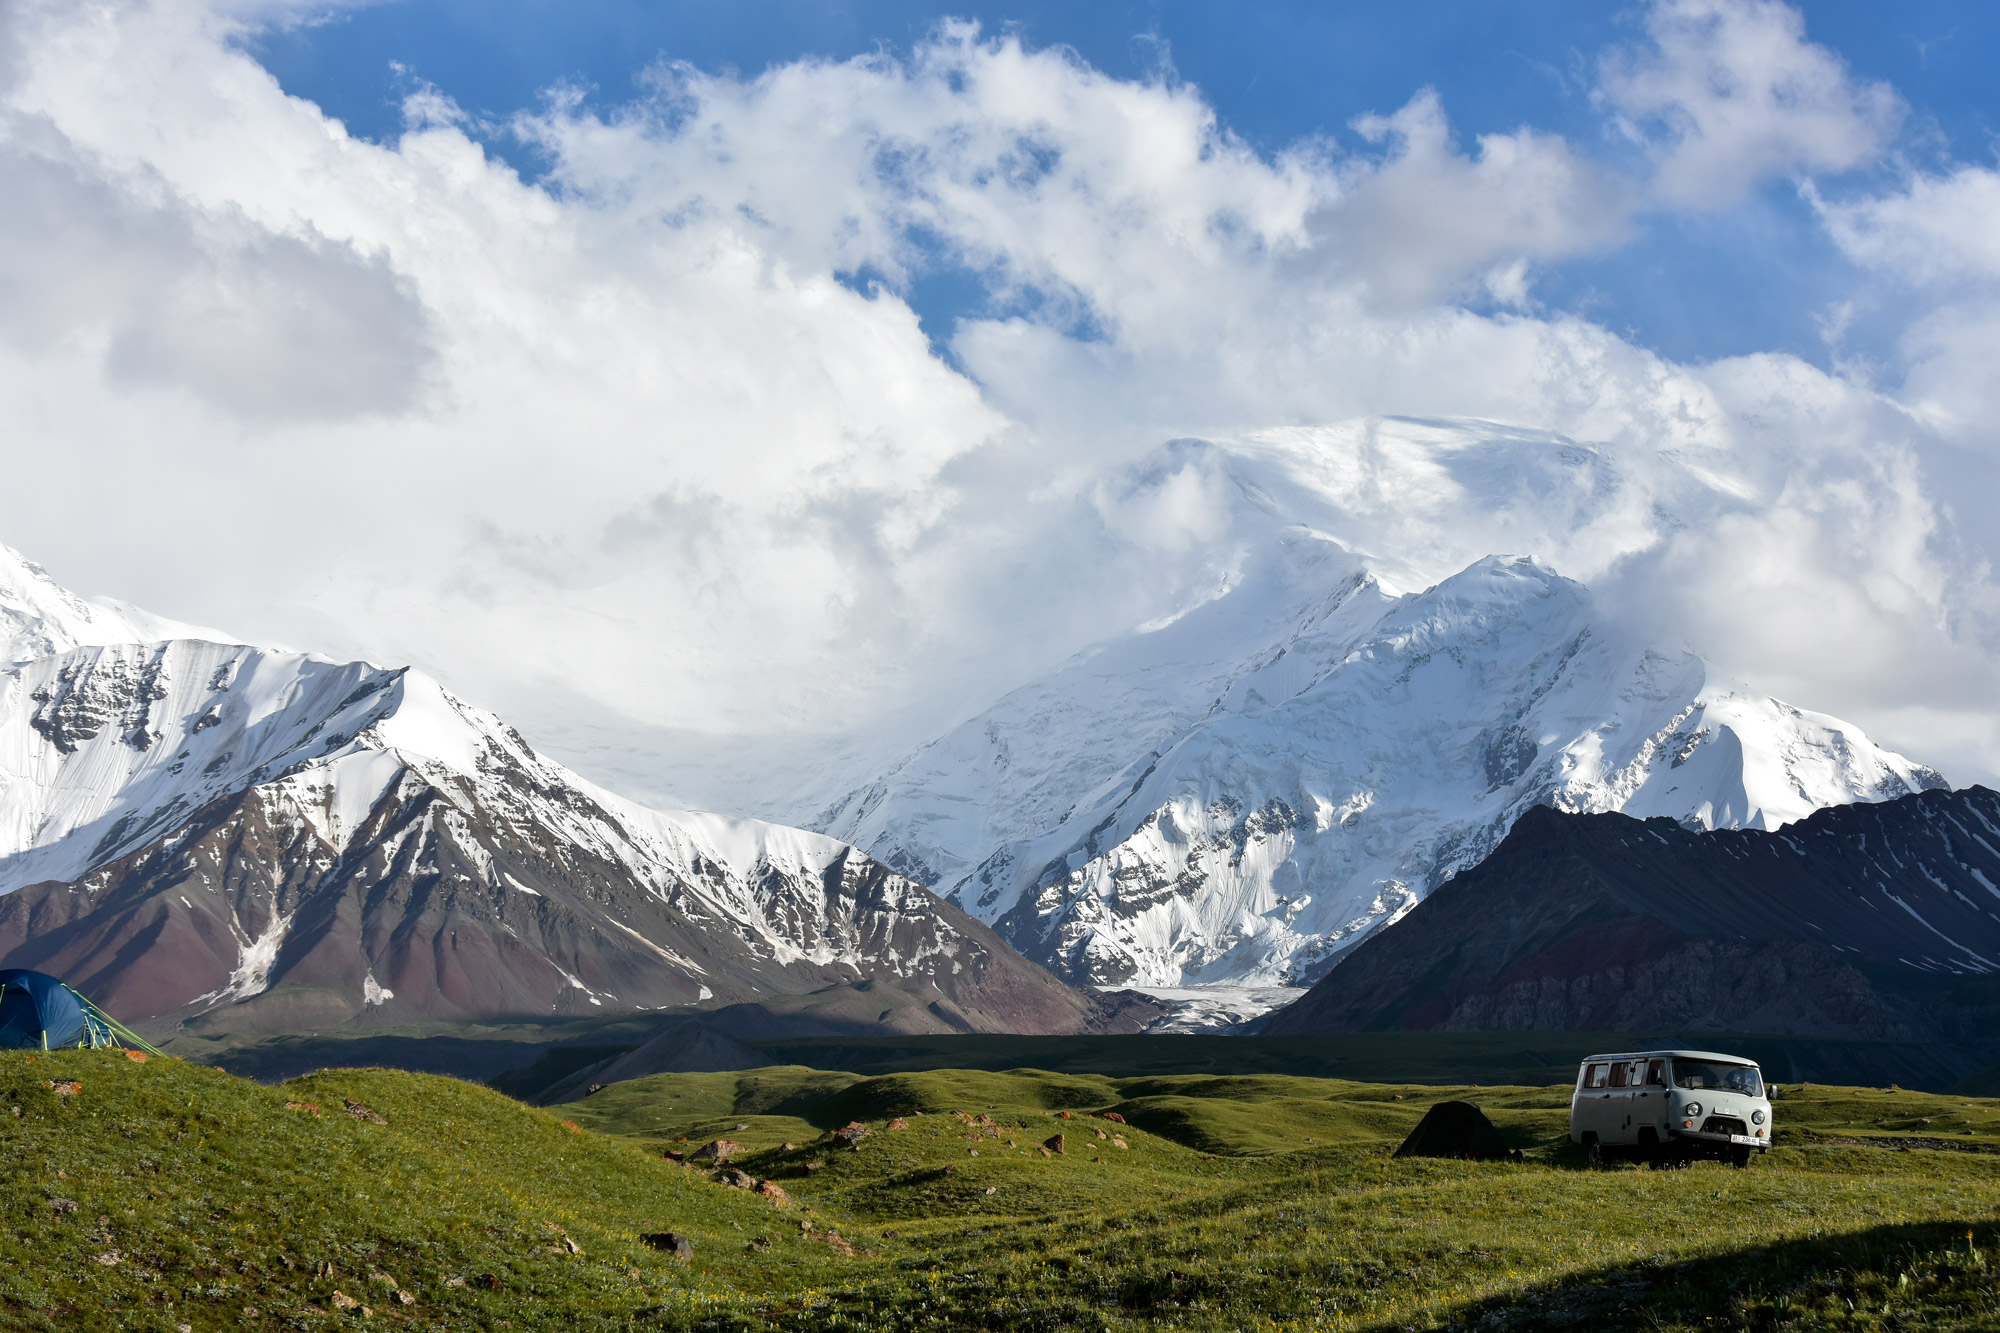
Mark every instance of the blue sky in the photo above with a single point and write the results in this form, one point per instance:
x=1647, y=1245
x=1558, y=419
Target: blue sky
x=1758, y=276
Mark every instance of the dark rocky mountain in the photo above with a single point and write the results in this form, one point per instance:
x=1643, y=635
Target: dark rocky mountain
x=1863, y=921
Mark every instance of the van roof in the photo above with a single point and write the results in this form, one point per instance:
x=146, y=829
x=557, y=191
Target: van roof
x=1682, y=1055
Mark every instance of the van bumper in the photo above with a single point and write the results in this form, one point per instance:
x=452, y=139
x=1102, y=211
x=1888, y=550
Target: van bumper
x=1733, y=1140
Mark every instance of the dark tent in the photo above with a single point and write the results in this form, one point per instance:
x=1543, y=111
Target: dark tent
x=1455, y=1129
x=38, y=1012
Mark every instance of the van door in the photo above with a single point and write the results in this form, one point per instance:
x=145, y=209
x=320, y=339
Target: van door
x=1650, y=1102
x=1626, y=1076
x=1589, y=1112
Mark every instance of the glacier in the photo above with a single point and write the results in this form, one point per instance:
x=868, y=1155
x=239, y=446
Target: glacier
x=1236, y=793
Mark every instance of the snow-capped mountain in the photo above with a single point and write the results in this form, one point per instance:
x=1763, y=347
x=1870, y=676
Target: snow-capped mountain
x=243, y=838
x=1240, y=792
x=39, y=617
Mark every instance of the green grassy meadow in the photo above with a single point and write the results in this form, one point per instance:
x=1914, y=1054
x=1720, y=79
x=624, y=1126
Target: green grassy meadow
x=165, y=1195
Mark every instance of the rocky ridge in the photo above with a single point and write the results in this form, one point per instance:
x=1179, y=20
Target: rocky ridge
x=1875, y=921
x=234, y=838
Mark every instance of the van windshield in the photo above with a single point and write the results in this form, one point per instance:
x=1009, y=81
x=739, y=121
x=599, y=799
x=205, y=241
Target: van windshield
x=1715, y=1075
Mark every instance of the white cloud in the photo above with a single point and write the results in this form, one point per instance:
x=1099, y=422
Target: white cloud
x=1936, y=243
x=1939, y=231
x=624, y=456
x=1423, y=223
x=260, y=323
x=1728, y=93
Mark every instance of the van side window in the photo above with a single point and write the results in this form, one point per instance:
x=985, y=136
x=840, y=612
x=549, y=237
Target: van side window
x=1656, y=1074
x=1618, y=1072
x=1595, y=1075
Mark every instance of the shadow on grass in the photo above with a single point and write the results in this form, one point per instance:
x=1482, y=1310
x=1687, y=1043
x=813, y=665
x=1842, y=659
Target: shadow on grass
x=1934, y=1276
x=474, y=1059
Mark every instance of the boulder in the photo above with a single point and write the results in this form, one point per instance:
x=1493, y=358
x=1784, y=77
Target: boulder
x=1054, y=1143
x=669, y=1242
x=718, y=1152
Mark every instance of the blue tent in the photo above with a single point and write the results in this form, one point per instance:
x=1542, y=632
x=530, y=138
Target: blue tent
x=39, y=1012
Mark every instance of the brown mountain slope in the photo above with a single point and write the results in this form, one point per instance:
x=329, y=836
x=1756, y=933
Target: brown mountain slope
x=1871, y=921
x=246, y=919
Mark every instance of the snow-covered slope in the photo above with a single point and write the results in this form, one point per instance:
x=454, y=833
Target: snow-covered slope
x=1245, y=790
x=249, y=838
x=38, y=616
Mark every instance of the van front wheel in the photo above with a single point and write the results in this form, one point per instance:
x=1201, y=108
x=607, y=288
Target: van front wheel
x=1739, y=1157
x=1649, y=1148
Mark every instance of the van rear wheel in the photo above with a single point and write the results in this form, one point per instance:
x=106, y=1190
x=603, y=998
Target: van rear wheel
x=1593, y=1154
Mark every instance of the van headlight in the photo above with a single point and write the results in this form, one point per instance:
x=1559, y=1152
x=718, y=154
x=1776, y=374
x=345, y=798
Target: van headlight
x=1691, y=1109
x=1757, y=1116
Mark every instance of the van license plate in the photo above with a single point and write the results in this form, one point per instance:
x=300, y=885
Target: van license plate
x=1743, y=1139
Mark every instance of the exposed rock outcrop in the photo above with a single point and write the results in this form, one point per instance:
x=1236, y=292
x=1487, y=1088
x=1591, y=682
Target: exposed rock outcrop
x=1866, y=921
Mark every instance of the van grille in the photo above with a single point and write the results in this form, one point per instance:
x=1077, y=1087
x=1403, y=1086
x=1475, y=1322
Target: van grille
x=1724, y=1124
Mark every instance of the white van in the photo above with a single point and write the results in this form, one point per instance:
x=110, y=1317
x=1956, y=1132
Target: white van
x=1668, y=1107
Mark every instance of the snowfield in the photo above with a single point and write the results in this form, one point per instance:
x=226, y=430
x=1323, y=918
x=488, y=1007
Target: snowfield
x=1238, y=793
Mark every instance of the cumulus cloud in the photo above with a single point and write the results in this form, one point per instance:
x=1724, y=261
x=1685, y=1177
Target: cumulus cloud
x=261, y=323
x=1935, y=242
x=653, y=456
x=1727, y=93
x=1423, y=223
x=1939, y=231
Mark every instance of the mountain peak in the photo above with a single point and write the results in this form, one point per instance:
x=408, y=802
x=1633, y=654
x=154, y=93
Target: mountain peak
x=40, y=617
x=1282, y=769
x=235, y=838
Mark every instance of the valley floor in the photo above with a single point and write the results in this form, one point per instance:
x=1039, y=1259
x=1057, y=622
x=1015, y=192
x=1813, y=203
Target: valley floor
x=167, y=1196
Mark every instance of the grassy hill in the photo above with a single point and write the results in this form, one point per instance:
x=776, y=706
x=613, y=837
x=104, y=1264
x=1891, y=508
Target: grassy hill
x=163, y=1195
